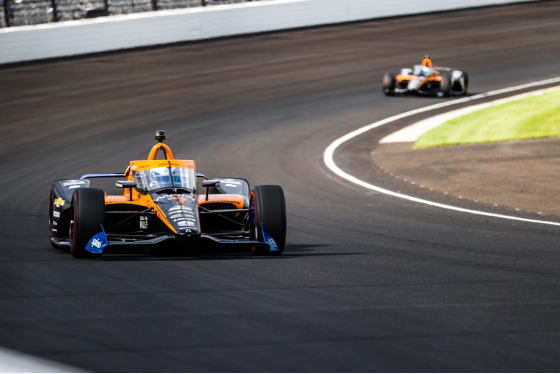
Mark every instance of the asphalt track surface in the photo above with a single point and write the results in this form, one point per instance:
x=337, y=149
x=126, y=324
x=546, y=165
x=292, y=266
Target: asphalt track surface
x=367, y=282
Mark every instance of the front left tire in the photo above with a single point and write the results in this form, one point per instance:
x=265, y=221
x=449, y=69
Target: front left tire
x=269, y=216
x=445, y=87
x=87, y=216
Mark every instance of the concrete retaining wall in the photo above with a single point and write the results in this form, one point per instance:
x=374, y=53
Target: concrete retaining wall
x=69, y=38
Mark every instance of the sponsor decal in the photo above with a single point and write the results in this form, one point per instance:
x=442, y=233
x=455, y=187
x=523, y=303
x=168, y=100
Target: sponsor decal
x=237, y=204
x=59, y=202
x=181, y=217
x=180, y=198
x=143, y=222
x=74, y=182
x=235, y=182
x=273, y=247
x=185, y=223
x=191, y=219
x=56, y=214
x=97, y=243
x=180, y=208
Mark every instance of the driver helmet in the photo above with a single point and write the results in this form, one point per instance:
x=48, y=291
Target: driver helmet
x=177, y=178
x=159, y=178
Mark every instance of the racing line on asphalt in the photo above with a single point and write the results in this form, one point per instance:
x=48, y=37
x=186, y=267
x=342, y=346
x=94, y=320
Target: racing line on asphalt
x=328, y=154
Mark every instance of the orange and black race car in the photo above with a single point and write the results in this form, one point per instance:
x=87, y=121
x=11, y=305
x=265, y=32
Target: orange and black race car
x=425, y=79
x=161, y=205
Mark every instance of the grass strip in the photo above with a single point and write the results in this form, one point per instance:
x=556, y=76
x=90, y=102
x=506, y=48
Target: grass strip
x=535, y=116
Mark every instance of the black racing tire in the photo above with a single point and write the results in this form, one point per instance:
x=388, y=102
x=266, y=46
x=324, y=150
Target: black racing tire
x=446, y=85
x=87, y=215
x=270, y=215
x=388, y=84
x=466, y=80
x=459, y=85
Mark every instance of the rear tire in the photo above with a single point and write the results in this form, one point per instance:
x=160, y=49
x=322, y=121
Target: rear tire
x=270, y=215
x=87, y=214
x=466, y=83
x=388, y=84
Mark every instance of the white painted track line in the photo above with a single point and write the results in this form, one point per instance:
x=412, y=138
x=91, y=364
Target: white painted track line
x=328, y=154
x=17, y=362
x=413, y=132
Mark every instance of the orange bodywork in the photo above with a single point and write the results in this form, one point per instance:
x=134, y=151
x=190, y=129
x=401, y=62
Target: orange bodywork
x=164, y=148
x=132, y=196
x=408, y=77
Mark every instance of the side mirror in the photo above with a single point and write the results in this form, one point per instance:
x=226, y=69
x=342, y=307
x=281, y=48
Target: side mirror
x=210, y=183
x=126, y=184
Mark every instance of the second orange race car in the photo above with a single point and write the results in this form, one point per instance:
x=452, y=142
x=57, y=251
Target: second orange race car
x=426, y=79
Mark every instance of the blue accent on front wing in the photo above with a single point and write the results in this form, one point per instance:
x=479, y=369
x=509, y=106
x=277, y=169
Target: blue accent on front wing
x=101, y=176
x=273, y=247
x=98, y=242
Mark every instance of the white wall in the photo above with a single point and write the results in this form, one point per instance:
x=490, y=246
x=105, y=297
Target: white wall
x=68, y=38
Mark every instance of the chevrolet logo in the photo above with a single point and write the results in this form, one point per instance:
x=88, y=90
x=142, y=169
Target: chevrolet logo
x=59, y=202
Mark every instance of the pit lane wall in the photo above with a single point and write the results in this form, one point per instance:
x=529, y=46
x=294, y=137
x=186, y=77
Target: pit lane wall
x=26, y=43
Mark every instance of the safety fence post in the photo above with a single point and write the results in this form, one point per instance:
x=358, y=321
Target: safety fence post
x=6, y=14
x=54, y=11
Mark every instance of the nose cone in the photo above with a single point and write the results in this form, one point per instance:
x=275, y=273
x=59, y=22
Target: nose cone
x=181, y=211
x=184, y=218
